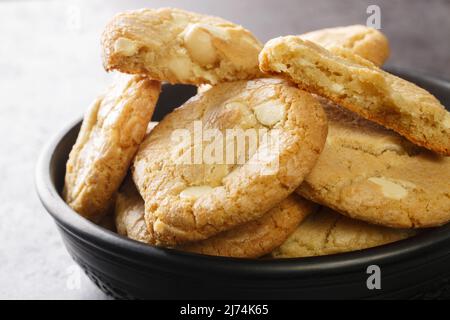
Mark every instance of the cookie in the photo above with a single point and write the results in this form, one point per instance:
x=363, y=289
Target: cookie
x=250, y=240
x=327, y=232
x=112, y=129
x=129, y=213
x=226, y=157
x=371, y=173
x=368, y=43
x=180, y=47
x=129, y=208
x=363, y=88
x=257, y=237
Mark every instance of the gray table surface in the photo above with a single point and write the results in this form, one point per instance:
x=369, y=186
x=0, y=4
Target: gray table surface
x=50, y=70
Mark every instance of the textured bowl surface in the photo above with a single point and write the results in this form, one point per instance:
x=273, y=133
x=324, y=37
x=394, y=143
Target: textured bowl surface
x=414, y=268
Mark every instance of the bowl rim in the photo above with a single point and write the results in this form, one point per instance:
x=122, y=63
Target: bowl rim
x=91, y=234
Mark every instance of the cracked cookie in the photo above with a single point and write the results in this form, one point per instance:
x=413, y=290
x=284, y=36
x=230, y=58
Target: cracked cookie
x=226, y=157
x=112, y=129
x=180, y=47
x=368, y=43
x=327, y=232
x=371, y=173
x=250, y=240
x=363, y=88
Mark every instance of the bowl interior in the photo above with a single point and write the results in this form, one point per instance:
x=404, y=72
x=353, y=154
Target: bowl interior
x=50, y=177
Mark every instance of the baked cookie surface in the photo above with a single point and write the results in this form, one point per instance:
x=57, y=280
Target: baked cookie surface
x=180, y=47
x=112, y=130
x=368, y=43
x=328, y=232
x=250, y=240
x=371, y=173
x=129, y=213
x=363, y=88
x=257, y=237
x=189, y=197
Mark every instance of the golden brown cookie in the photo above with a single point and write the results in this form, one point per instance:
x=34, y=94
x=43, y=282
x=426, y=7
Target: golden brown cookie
x=371, y=173
x=366, y=42
x=257, y=237
x=112, y=130
x=180, y=47
x=363, y=88
x=129, y=213
x=129, y=208
x=250, y=240
x=192, y=195
x=327, y=232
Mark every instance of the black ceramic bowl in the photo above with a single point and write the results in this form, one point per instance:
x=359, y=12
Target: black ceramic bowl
x=415, y=268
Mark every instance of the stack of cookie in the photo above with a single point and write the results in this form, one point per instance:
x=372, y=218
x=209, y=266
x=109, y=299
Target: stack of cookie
x=301, y=147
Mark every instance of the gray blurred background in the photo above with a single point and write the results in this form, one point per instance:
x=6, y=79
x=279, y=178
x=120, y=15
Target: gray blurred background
x=50, y=70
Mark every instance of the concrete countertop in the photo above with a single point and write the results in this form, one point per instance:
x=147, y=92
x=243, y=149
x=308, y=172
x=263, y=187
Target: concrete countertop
x=50, y=70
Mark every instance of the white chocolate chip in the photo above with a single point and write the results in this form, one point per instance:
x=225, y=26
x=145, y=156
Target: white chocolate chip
x=270, y=112
x=195, y=192
x=199, y=45
x=337, y=87
x=246, y=116
x=180, y=67
x=125, y=47
x=388, y=144
x=390, y=189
